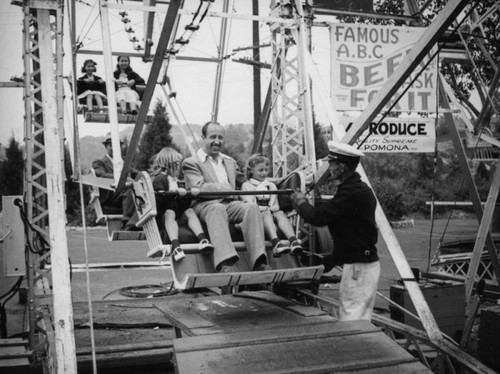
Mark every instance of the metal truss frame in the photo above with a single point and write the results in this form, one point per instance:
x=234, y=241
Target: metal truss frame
x=291, y=117
x=35, y=199
x=478, y=264
x=50, y=334
x=458, y=265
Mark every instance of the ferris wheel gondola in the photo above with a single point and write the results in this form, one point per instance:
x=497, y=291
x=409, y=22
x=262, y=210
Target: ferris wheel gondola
x=196, y=269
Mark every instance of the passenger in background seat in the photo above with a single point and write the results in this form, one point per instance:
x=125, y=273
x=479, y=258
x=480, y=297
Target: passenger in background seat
x=104, y=168
x=126, y=81
x=172, y=210
x=257, y=170
x=90, y=88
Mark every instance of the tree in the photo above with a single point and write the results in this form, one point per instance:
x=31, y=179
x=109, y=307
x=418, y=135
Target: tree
x=483, y=45
x=11, y=170
x=155, y=137
x=320, y=142
x=237, y=142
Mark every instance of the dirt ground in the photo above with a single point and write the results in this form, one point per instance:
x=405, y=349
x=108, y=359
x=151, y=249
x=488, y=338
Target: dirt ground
x=106, y=283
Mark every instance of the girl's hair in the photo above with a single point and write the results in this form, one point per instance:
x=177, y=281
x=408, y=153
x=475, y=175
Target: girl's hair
x=88, y=62
x=254, y=160
x=128, y=69
x=164, y=160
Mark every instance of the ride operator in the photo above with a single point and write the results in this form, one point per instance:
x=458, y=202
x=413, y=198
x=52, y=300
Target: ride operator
x=350, y=217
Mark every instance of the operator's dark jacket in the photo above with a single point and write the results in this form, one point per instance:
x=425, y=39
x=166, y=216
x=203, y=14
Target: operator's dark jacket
x=350, y=216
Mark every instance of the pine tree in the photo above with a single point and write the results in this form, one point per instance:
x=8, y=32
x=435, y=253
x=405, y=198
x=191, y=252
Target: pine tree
x=11, y=170
x=155, y=137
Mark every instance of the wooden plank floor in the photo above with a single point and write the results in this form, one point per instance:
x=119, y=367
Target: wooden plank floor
x=250, y=332
x=127, y=333
x=338, y=347
x=14, y=355
x=259, y=332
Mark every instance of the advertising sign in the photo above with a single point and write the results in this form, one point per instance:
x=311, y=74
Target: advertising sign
x=363, y=57
x=396, y=135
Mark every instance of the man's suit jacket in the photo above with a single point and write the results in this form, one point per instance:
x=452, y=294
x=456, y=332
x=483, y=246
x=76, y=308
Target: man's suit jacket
x=202, y=175
x=104, y=169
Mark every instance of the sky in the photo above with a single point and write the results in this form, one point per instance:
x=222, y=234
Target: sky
x=11, y=64
x=193, y=81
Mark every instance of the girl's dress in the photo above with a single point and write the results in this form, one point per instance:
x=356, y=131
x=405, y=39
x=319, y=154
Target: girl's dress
x=85, y=88
x=124, y=92
x=163, y=182
x=265, y=202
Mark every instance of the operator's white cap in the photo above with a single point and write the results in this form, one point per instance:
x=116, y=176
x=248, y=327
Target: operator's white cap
x=343, y=152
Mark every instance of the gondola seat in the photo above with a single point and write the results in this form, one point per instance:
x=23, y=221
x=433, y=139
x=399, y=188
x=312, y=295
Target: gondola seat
x=111, y=215
x=196, y=270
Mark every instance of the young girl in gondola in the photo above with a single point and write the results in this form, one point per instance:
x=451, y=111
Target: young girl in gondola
x=90, y=87
x=173, y=210
x=257, y=171
x=126, y=81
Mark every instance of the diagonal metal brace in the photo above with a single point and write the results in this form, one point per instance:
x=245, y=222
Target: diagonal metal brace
x=161, y=50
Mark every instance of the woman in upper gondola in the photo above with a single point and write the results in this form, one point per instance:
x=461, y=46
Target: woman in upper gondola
x=90, y=87
x=126, y=81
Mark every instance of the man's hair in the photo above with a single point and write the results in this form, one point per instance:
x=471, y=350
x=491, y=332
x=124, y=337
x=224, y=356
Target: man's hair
x=205, y=127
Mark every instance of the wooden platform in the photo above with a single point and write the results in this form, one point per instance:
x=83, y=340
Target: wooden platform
x=14, y=355
x=248, y=332
x=349, y=347
x=283, y=338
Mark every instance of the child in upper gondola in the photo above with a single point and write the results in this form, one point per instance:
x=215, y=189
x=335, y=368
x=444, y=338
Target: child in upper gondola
x=90, y=88
x=126, y=81
x=257, y=171
x=172, y=210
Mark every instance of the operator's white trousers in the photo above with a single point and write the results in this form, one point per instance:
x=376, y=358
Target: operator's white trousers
x=358, y=289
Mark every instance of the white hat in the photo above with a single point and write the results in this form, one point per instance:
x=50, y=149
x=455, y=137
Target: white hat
x=343, y=152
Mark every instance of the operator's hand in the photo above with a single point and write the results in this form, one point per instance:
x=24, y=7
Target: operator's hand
x=182, y=192
x=195, y=191
x=297, y=198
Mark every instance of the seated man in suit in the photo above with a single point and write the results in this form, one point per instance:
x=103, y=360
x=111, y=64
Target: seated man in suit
x=104, y=168
x=212, y=171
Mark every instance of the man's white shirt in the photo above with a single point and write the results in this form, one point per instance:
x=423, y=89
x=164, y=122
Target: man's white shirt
x=218, y=165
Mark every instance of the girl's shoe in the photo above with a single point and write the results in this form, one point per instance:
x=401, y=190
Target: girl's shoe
x=296, y=248
x=205, y=245
x=280, y=249
x=177, y=253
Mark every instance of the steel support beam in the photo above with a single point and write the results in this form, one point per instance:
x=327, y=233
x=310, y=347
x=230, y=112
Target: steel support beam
x=160, y=53
x=110, y=89
x=65, y=348
x=221, y=53
x=149, y=18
